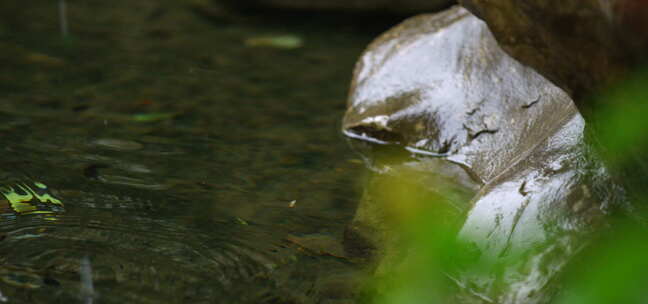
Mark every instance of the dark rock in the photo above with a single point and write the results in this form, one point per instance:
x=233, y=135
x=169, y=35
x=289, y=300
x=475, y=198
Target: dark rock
x=587, y=48
x=582, y=46
x=500, y=146
x=357, y=242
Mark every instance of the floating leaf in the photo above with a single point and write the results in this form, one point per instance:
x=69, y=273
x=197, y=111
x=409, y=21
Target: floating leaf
x=280, y=42
x=152, y=117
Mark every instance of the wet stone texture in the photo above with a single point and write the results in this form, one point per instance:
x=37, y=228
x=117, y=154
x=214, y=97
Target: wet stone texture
x=528, y=192
x=580, y=45
x=586, y=48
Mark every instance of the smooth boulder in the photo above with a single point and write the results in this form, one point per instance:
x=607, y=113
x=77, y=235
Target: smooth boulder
x=502, y=144
x=583, y=46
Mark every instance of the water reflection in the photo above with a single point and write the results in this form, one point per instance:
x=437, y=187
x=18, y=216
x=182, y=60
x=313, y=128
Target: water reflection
x=177, y=151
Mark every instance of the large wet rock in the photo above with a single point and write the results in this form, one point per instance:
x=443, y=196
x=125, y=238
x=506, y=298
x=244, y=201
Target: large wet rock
x=585, y=47
x=580, y=45
x=499, y=143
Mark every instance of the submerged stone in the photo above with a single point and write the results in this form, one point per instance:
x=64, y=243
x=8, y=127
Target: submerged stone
x=486, y=135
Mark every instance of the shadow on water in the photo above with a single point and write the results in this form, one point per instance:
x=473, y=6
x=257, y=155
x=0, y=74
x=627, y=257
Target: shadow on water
x=192, y=167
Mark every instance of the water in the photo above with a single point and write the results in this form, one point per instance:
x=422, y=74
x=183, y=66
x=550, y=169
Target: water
x=186, y=160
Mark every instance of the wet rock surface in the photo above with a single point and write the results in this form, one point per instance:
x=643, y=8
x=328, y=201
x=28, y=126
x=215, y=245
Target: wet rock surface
x=442, y=85
x=587, y=48
x=580, y=45
x=528, y=192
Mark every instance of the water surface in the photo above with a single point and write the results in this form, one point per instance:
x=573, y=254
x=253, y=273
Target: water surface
x=186, y=159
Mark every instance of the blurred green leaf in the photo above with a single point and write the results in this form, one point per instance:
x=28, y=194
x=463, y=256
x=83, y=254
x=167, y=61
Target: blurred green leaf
x=152, y=117
x=621, y=123
x=280, y=42
x=613, y=271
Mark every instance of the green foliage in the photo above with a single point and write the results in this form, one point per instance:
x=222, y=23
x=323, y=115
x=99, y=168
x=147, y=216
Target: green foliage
x=621, y=122
x=426, y=227
x=615, y=269
x=612, y=269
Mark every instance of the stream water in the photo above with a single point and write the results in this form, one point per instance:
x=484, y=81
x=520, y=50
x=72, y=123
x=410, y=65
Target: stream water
x=184, y=158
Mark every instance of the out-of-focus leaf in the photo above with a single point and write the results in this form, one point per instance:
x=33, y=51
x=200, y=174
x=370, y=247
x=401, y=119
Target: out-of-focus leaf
x=280, y=42
x=621, y=126
x=152, y=117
